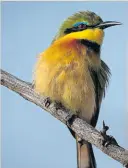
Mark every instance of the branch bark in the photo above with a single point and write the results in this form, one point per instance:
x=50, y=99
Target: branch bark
x=79, y=126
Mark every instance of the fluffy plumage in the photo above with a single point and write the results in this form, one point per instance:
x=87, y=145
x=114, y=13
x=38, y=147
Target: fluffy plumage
x=72, y=72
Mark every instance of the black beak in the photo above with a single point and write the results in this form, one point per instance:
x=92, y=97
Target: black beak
x=107, y=24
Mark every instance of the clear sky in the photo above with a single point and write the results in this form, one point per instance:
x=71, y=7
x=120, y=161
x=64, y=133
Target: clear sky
x=31, y=137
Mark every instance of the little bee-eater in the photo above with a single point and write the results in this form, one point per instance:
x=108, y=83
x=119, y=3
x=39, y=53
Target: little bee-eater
x=71, y=71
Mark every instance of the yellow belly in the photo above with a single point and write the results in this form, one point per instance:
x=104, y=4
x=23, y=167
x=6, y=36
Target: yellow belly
x=62, y=74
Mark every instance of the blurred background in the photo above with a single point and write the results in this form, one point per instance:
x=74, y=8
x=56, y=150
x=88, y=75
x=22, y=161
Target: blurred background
x=31, y=137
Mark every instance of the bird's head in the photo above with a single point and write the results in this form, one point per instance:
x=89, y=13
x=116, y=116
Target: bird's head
x=84, y=25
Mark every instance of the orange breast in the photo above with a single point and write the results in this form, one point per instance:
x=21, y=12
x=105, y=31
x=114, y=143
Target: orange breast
x=62, y=74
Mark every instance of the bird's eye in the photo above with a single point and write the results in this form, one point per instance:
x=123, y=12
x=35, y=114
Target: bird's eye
x=80, y=25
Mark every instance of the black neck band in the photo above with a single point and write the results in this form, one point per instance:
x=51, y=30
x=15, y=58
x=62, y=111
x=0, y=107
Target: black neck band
x=91, y=45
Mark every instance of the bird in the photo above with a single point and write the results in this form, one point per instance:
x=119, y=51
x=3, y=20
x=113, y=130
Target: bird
x=71, y=71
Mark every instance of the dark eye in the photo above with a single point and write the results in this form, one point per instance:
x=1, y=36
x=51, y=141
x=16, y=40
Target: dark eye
x=82, y=25
x=79, y=26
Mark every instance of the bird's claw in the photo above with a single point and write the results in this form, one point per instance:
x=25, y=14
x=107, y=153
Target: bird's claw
x=59, y=105
x=71, y=120
x=47, y=102
x=107, y=138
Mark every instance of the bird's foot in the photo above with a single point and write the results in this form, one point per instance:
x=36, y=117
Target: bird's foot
x=47, y=102
x=107, y=138
x=59, y=105
x=71, y=120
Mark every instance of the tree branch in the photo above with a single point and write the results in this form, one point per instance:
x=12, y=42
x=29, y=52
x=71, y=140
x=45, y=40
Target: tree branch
x=79, y=126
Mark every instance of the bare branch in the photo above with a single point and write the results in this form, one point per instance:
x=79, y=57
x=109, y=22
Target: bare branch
x=79, y=126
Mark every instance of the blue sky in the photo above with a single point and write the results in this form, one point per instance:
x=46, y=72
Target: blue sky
x=30, y=136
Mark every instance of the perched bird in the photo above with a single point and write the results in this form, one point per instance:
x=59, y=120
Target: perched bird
x=71, y=71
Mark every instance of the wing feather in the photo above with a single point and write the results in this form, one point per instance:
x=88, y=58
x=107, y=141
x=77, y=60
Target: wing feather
x=101, y=80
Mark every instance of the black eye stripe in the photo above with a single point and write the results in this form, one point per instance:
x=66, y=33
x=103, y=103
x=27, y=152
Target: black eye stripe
x=75, y=29
x=79, y=28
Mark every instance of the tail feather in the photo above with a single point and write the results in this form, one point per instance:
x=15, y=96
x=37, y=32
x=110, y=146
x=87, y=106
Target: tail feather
x=85, y=156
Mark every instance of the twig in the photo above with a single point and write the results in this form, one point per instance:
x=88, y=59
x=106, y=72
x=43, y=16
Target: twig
x=79, y=126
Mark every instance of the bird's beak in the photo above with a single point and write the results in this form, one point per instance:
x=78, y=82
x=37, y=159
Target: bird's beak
x=107, y=24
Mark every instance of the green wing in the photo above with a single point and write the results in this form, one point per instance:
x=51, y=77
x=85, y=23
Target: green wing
x=101, y=81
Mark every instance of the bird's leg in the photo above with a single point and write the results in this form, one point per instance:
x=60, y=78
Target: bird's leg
x=47, y=102
x=59, y=105
x=107, y=138
x=71, y=120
